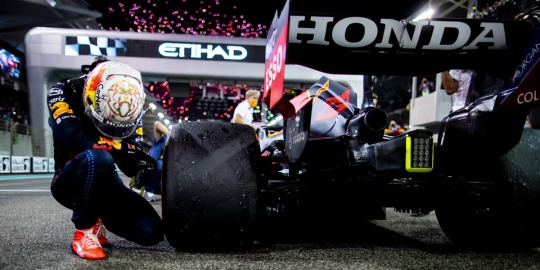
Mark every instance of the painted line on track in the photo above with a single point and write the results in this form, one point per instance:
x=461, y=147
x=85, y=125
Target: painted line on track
x=25, y=176
x=24, y=190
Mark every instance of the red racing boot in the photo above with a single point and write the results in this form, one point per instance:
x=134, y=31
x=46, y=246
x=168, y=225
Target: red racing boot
x=99, y=230
x=86, y=245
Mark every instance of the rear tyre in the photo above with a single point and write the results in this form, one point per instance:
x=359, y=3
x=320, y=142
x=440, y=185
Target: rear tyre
x=209, y=189
x=513, y=220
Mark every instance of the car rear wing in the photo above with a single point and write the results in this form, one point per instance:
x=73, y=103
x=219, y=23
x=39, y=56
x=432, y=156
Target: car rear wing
x=333, y=37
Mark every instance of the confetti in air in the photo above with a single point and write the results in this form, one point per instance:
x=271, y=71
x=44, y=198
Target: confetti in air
x=235, y=18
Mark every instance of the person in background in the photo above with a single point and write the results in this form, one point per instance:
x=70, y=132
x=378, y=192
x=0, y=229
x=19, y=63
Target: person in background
x=406, y=127
x=393, y=129
x=456, y=83
x=243, y=113
x=425, y=87
x=150, y=187
x=96, y=121
x=4, y=66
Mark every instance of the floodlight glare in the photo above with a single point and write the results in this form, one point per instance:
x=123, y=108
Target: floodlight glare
x=424, y=15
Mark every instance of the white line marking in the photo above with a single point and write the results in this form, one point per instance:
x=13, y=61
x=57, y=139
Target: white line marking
x=24, y=190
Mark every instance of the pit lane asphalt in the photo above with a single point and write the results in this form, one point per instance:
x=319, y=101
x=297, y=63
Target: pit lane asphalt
x=36, y=232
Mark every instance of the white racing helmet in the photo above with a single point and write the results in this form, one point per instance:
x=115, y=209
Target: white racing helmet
x=113, y=98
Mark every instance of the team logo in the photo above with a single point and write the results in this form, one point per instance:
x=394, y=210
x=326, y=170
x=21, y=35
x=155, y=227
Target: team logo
x=60, y=108
x=55, y=91
x=108, y=144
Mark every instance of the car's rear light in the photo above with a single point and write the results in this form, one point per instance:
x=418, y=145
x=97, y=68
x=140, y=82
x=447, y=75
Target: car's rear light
x=419, y=152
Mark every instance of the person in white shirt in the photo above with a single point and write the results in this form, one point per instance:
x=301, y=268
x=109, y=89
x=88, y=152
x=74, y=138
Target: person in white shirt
x=243, y=113
x=456, y=82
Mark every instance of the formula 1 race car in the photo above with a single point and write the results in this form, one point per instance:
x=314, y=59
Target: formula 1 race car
x=479, y=174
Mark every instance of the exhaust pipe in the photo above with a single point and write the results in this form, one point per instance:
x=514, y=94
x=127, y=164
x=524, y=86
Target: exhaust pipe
x=368, y=125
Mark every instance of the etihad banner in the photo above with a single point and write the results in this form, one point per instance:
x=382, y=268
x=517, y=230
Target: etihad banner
x=115, y=47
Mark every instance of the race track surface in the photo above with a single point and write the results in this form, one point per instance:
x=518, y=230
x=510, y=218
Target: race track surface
x=36, y=232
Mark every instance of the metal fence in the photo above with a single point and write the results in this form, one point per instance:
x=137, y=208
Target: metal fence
x=14, y=127
x=42, y=142
x=16, y=138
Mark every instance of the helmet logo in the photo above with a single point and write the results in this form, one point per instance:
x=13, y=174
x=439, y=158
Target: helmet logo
x=114, y=99
x=124, y=101
x=92, y=84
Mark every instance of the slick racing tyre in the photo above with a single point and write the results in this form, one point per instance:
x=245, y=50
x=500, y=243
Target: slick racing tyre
x=209, y=198
x=513, y=219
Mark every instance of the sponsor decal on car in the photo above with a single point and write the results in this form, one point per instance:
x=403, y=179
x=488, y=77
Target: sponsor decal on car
x=492, y=35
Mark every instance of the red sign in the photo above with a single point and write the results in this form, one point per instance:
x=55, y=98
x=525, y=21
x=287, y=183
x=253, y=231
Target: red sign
x=274, y=70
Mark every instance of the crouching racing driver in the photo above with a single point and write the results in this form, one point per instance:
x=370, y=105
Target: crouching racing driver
x=96, y=122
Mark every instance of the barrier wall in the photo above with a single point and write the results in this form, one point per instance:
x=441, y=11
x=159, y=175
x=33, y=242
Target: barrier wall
x=5, y=143
x=25, y=164
x=17, y=144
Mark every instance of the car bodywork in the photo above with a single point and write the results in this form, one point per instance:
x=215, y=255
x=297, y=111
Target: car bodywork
x=330, y=139
x=332, y=158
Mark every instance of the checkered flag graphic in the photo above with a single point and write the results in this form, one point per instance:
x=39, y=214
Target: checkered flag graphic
x=84, y=45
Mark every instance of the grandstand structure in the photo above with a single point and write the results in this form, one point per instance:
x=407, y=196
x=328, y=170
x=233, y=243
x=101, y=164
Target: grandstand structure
x=212, y=73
